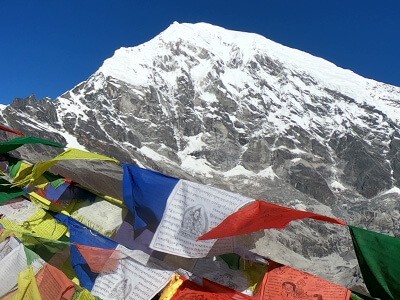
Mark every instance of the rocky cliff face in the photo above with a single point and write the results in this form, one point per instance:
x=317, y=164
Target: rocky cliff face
x=243, y=113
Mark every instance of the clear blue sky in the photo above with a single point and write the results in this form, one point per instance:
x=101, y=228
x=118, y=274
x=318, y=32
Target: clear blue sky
x=47, y=47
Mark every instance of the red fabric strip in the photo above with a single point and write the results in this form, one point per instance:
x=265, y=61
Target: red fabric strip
x=261, y=215
x=5, y=128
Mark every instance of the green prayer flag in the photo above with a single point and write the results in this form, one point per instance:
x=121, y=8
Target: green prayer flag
x=54, y=180
x=30, y=256
x=8, y=193
x=379, y=259
x=24, y=140
x=58, y=182
x=45, y=248
x=232, y=260
x=14, y=168
x=358, y=296
x=355, y=297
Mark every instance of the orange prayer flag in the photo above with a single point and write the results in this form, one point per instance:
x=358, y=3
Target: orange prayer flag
x=54, y=284
x=285, y=283
x=100, y=260
x=261, y=215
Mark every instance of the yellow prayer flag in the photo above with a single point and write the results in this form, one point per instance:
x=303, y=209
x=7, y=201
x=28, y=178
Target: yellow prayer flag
x=254, y=272
x=27, y=286
x=173, y=285
x=34, y=173
x=48, y=205
x=40, y=223
x=84, y=294
x=24, y=169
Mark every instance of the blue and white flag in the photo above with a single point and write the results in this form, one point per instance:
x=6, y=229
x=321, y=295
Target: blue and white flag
x=145, y=194
x=179, y=211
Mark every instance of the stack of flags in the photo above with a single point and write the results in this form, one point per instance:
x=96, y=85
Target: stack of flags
x=167, y=238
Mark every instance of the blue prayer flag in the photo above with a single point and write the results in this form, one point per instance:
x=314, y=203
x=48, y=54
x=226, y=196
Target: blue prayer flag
x=82, y=235
x=145, y=195
x=54, y=193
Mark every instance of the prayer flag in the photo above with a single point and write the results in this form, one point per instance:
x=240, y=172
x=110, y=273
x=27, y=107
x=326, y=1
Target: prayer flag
x=178, y=211
x=137, y=277
x=8, y=193
x=99, y=215
x=35, y=171
x=84, y=294
x=20, y=141
x=379, y=260
x=100, y=260
x=261, y=215
x=80, y=234
x=13, y=166
x=27, y=286
x=53, y=193
x=217, y=270
x=24, y=216
x=208, y=291
x=283, y=282
x=8, y=129
x=54, y=284
x=358, y=296
x=16, y=261
x=145, y=194
x=172, y=287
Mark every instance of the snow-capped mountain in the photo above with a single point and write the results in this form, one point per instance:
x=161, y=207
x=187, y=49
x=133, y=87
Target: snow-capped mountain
x=244, y=113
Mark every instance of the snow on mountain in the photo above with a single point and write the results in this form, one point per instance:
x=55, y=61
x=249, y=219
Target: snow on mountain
x=246, y=114
x=241, y=63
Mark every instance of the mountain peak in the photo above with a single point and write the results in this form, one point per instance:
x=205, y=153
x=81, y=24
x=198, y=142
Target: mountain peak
x=181, y=42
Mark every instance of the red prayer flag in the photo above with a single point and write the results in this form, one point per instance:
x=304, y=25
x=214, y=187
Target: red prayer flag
x=261, y=215
x=100, y=260
x=285, y=283
x=5, y=128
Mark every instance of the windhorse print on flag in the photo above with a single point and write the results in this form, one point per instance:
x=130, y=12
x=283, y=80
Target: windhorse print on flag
x=179, y=212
